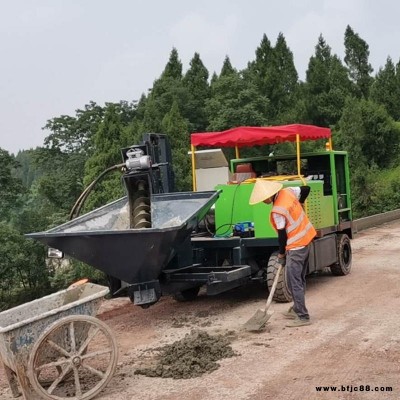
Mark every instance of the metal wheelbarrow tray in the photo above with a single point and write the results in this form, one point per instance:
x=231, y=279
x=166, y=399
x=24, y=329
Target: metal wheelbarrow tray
x=54, y=348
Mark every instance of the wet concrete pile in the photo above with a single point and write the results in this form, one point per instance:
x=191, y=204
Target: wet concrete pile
x=194, y=355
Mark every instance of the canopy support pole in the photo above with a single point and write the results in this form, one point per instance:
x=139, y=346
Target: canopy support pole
x=298, y=154
x=193, y=148
x=299, y=167
x=237, y=152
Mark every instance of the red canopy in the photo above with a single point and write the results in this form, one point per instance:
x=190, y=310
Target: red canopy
x=251, y=136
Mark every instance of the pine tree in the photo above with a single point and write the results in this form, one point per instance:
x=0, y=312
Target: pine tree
x=260, y=68
x=196, y=82
x=167, y=89
x=275, y=76
x=356, y=59
x=327, y=86
x=284, y=79
x=176, y=127
x=227, y=68
x=173, y=69
x=386, y=89
x=234, y=102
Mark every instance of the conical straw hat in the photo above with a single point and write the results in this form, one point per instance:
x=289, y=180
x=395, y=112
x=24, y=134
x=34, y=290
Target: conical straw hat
x=263, y=190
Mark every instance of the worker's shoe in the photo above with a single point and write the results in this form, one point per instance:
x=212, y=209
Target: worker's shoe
x=290, y=314
x=298, y=322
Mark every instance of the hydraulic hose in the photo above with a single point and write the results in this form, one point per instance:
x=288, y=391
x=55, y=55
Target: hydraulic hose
x=84, y=195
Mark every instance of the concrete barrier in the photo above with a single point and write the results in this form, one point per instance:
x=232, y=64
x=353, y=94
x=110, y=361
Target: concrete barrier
x=375, y=220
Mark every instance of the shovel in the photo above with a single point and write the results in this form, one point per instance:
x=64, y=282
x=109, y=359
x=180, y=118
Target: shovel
x=261, y=317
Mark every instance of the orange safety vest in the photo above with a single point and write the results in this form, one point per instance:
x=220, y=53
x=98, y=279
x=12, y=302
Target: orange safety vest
x=299, y=229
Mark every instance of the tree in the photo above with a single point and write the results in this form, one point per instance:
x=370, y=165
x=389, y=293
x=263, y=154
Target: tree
x=61, y=180
x=235, y=102
x=173, y=69
x=356, y=59
x=386, y=89
x=227, y=68
x=285, y=77
x=196, y=82
x=22, y=268
x=166, y=89
x=176, y=127
x=260, y=68
x=369, y=134
x=108, y=142
x=10, y=187
x=327, y=86
x=372, y=139
x=275, y=76
x=74, y=134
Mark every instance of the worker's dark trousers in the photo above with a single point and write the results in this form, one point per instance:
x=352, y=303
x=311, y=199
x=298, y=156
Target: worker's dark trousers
x=296, y=269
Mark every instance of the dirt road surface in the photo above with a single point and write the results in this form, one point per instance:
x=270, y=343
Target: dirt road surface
x=353, y=344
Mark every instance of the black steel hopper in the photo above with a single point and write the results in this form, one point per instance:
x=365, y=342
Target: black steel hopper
x=102, y=238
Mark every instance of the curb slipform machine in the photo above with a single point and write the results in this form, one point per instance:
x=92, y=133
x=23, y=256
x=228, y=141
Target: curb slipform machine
x=156, y=242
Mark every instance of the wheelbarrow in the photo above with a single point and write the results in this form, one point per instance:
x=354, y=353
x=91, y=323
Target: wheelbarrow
x=54, y=347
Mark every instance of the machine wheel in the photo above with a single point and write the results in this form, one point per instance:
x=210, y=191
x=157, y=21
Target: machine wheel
x=343, y=265
x=187, y=295
x=282, y=293
x=75, y=358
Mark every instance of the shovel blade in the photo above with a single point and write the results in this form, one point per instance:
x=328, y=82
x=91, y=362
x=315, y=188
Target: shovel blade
x=257, y=321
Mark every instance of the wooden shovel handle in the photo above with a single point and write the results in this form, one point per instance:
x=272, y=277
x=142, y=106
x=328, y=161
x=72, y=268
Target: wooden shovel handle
x=274, y=284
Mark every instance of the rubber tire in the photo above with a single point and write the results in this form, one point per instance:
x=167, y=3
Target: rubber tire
x=282, y=293
x=186, y=295
x=343, y=266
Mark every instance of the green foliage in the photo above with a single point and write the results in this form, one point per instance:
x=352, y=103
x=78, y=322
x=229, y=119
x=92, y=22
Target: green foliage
x=10, y=187
x=386, y=89
x=70, y=271
x=22, y=268
x=274, y=74
x=327, y=86
x=372, y=139
x=387, y=194
x=227, y=68
x=176, y=127
x=173, y=69
x=74, y=134
x=369, y=134
x=196, y=82
x=375, y=191
x=108, y=141
x=27, y=172
x=61, y=182
x=234, y=102
x=168, y=88
x=356, y=59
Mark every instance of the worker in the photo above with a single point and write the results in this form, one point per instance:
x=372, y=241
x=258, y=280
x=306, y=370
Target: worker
x=295, y=233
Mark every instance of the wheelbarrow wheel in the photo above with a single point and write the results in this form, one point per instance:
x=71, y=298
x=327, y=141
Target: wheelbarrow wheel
x=76, y=357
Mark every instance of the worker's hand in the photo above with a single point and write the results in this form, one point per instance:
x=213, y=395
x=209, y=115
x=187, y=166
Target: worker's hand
x=282, y=259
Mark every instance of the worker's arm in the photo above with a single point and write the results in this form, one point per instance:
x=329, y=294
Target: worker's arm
x=280, y=223
x=304, y=192
x=282, y=240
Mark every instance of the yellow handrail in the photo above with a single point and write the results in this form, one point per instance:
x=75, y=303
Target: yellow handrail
x=194, y=183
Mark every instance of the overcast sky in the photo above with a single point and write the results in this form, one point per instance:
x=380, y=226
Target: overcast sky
x=58, y=55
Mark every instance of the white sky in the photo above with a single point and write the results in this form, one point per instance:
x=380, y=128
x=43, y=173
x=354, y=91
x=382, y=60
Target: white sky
x=58, y=55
